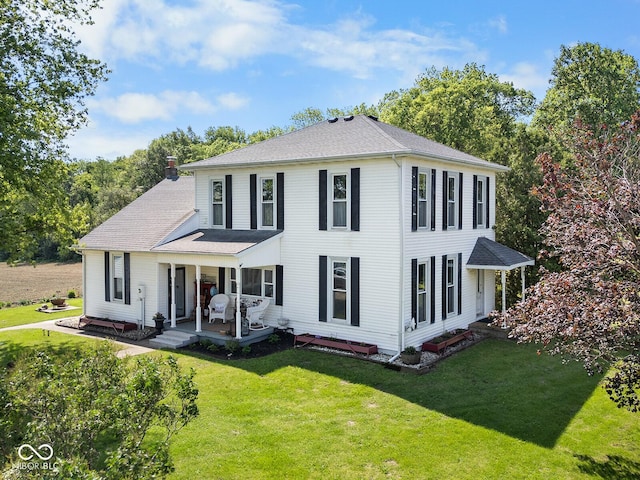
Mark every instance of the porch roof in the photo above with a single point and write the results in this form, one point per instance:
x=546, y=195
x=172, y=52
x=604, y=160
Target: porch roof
x=490, y=255
x=218, y=241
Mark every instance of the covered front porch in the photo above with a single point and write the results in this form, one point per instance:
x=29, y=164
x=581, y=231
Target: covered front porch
x=210, y=262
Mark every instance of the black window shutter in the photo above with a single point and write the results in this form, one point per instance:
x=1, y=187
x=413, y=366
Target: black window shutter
x=279, y=282
x=445, y=199
x=460, y=202
x=433, y=199
x=253, y=200
x=460, y=284
x=107, y=277
x=355, y=199
x=486, y=217
x=444, y=287
x=432, y=271
x=280, y=200
x=414, y=199
x=355, y=291
x=221, y=279
x=475, y=201
x=127, y=279
x=322, y=188
x=322, y=289
x=228, y=207
x=414, y=289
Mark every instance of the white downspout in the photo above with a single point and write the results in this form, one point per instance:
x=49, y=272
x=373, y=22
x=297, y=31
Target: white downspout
x=401, y=283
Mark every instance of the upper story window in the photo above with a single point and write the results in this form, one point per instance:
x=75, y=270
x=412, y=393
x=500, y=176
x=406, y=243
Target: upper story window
x=340, y=200
x=217, y=203
x=480, y=202
x=452, y=201
x=423, y=199
x=267, y=201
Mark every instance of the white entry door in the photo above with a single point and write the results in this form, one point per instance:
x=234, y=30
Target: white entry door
x=480, y=294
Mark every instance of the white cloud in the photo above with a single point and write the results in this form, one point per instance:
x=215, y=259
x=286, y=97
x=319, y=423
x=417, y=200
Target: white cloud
x=133, y=108
x=220, y=34
x=499, y=23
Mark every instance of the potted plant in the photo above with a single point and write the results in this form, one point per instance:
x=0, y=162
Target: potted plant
x=57, y=301
x=410, y=355
x=159, y=319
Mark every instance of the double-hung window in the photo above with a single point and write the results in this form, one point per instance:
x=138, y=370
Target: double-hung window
x=451, y=285
x=340, y=200
x=255, y=281
x=422, y=288
x=217, y=203
x=118, y=277
x=480, y=201
x=452, y=201
x=423, y=199
x=267, y=195
x=339, y=290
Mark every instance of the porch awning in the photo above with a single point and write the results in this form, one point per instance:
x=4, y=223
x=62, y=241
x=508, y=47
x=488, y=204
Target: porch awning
x=490, y=255
x=245, y=244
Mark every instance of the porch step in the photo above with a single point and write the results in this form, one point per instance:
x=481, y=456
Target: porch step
x=173, y=339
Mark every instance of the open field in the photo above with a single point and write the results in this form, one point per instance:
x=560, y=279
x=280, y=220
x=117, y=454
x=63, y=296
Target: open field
x=34, y=284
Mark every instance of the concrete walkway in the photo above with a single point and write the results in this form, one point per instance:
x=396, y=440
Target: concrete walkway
x=126, y=349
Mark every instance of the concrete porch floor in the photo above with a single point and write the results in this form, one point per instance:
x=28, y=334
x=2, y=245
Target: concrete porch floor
x=215, y=332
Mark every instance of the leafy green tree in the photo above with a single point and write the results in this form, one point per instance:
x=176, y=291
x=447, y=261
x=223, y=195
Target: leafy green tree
x=590, y=307
x=44, y=80
x=469, y=109
x=597, y=85
x=103, y=416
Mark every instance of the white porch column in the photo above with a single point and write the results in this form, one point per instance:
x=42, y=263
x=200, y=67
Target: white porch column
x=503, y=275
x=173, y=295
x=524, y=287
x=238, y=313
x=198, y=306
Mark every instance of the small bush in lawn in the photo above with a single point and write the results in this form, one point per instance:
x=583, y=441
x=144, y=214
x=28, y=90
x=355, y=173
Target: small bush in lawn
x=273, y=338
x=246, y=350
x=25, y=302
x=206, y=343
x=72, y=294
x=213, y=347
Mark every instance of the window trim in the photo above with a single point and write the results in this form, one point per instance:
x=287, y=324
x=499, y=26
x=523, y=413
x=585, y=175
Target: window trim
x=424, y=201
x=347, y=290
x=272, y=202
x=452, y=223
x=113, y=278
x=222, y=203
x=346, y=200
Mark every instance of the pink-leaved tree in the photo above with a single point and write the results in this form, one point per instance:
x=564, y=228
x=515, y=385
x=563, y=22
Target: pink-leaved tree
x=590, y=308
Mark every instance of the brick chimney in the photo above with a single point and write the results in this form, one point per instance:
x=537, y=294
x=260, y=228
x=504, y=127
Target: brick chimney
x=171, y=171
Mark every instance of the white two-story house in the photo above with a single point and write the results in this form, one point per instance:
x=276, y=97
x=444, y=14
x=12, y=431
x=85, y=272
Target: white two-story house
x=353, y=229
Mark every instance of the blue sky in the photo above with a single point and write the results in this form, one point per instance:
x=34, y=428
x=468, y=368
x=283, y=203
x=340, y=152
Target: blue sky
x=253, y=64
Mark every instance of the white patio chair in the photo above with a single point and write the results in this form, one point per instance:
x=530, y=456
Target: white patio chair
x=255, y=315
x=219, y=307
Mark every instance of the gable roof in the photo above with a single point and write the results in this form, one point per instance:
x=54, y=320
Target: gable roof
x=490, y=255
x=146, y=221
x=336, y=139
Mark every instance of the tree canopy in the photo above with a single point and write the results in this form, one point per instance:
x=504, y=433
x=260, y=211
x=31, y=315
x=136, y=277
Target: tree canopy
x=44, y=79
x=596, y=85
x=590, y=309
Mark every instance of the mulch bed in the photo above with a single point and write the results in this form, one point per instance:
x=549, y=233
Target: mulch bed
x=135, y=335
x=277, y=342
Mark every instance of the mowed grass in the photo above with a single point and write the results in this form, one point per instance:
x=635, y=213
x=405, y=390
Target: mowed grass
x=496, y=410
x=10, y=317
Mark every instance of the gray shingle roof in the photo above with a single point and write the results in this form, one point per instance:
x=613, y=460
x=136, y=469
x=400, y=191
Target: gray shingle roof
x=217, y=241
x=147, y=220
x=362, y=136
x=490, y=254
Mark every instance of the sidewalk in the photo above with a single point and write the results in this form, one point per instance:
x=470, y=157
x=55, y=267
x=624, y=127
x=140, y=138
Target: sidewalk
x=126, y=349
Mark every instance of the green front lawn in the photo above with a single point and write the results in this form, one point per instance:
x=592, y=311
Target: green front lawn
x=496, y=410
x=13, y=316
